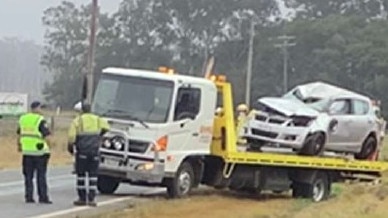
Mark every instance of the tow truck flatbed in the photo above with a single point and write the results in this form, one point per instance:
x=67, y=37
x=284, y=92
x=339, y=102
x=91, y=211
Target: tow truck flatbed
x=292, y=160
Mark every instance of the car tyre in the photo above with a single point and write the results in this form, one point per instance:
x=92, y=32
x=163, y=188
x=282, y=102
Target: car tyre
x=368, y=148
x=313, y=145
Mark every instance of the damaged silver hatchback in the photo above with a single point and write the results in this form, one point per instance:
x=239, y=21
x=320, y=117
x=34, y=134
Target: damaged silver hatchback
x=313, y=118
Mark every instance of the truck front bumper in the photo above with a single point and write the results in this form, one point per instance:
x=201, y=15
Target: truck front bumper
x=133, y=169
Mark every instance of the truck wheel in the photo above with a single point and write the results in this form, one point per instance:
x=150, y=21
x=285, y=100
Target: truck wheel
x=319, y=189
x=313, y=145
x=368, y=147
x=183, y=182
x=107, y=184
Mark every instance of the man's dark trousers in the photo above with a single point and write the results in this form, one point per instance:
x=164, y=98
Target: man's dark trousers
x=86, y=169
x=38, y=164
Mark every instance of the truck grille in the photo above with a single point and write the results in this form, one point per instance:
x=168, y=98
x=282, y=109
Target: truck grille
x=138, y=146
x=134, y=146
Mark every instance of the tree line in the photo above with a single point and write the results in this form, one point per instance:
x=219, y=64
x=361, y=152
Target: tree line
x=342, y=42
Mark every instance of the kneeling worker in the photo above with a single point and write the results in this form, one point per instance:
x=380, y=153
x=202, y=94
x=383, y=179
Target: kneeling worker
x=85, y=133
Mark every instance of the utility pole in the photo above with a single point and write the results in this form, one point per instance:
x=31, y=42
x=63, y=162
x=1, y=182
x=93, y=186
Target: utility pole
x=90, y=65
x=249, y=65
x=284, y=46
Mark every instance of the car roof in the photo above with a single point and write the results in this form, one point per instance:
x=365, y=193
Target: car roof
x=324, y=90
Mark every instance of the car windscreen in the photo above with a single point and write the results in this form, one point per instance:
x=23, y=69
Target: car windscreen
x=133, y=98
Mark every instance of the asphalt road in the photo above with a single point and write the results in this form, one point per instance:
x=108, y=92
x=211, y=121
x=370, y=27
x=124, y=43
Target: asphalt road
x=61, y=190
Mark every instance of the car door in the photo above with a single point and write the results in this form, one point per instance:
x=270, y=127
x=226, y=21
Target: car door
x=339, y=138
x=362, y=122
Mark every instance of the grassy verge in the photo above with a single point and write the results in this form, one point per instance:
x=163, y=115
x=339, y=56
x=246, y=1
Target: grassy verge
x=352, y=200
x=348, y=200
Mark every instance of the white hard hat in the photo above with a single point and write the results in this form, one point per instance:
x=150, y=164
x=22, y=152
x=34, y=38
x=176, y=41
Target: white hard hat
x=242, y=107
x=78, y=107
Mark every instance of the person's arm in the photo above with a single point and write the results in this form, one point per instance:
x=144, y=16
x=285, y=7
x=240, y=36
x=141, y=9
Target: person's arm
x=104, y=126
x=19, y=145
x=45, y=131
x=72, y=136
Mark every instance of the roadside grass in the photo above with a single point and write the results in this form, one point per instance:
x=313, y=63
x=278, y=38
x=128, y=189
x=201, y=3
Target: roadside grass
x=348, y=201
x=8, y=144
x=357, y=200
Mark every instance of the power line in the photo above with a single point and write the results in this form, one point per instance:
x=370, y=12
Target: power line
x=284, y=46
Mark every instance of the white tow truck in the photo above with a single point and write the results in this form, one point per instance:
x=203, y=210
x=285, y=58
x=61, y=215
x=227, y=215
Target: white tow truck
x=165, y=132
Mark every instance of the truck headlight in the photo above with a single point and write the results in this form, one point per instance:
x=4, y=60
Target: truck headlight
x=118, y=145
x=107, y=143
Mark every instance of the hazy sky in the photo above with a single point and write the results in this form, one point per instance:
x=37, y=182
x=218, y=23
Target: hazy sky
x=22, y=18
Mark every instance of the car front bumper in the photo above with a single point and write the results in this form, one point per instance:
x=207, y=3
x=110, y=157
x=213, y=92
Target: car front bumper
x=280, y=135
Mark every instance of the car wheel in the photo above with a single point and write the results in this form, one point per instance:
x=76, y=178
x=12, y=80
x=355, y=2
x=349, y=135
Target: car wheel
x=368, y=147
x=183, y=182
x=313, y=145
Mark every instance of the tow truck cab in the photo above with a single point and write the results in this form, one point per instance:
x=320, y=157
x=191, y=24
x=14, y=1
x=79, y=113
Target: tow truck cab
x=158, y=120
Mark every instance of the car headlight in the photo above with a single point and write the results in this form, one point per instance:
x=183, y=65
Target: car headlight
x=302, y=121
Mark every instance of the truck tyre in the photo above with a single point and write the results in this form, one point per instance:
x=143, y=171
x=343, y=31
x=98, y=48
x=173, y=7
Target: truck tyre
x=319, y=189
x=313, y=145
x=183, y=182
x=107, y=184
x=368, y=147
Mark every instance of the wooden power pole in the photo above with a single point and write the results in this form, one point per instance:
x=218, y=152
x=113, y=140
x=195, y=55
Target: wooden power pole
x=92, y=42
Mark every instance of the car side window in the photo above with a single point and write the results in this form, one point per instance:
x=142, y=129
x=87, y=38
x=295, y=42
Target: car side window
x=188, y=103
x=360, y=107
x=340, y=107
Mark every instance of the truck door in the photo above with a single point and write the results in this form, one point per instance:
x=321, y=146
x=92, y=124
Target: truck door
x=191, y=121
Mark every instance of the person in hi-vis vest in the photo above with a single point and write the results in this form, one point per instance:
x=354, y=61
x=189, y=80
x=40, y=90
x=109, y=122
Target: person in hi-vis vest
x=85, y=133
x=242, y=114
x=33, y=143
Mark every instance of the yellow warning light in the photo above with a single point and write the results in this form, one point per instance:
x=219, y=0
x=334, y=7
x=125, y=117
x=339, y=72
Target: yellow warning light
x=163, y=69
x=166, y=70
x=221, y=78
x=218, y=78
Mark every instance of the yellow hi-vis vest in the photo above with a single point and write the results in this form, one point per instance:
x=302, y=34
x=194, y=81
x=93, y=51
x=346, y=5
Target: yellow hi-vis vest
x=241, y=119
x=30, y=137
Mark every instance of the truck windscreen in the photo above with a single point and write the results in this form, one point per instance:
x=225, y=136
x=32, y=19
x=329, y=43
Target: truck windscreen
x=133, y=98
